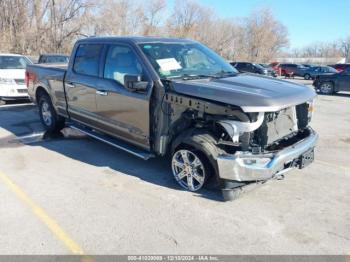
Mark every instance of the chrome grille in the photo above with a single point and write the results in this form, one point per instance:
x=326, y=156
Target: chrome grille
x=22, y=91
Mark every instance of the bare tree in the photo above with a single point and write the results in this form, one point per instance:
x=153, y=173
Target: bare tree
x=264, y=35
x=345, y=48
x=152, y=17
x=186, y=17
x=37, y=26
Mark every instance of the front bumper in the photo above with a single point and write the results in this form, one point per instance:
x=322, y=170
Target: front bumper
x=241, y=167
x=12, y=98
x=13, y=92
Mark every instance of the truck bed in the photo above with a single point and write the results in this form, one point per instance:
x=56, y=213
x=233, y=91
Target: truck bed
x=49, y=77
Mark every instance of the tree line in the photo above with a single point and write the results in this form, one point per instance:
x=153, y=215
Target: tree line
x=51, y=26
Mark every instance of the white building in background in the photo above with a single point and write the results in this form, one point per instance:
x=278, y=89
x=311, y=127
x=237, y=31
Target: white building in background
x=312, y=60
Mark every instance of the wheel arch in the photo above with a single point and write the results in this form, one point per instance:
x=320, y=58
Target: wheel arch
x=201, y=140
x=39, y=91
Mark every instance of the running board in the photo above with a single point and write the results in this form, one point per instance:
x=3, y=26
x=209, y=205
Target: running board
x=114, y=142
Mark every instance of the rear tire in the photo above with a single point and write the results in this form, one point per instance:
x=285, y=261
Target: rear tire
x=48, y=116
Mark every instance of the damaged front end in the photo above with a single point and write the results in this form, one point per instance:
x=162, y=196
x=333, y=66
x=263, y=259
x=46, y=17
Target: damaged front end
x=254, y=146
x=280, y=141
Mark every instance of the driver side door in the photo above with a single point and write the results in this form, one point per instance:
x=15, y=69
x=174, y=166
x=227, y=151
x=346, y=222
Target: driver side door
x=123, y=113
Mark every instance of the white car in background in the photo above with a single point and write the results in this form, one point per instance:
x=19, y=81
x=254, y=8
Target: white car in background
x=12, y=77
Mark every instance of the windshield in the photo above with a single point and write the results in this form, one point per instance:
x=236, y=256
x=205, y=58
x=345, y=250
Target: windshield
x=13, y=62
x=172, y=60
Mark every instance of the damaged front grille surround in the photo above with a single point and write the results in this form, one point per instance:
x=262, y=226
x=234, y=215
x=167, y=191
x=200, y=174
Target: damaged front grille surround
x=270, y=129
x=236, y=128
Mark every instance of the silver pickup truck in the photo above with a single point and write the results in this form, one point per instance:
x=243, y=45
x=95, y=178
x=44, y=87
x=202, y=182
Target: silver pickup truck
x=164, y=96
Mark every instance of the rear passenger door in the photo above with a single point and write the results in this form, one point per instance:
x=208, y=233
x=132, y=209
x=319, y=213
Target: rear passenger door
x=124, y=113
x=81, y=83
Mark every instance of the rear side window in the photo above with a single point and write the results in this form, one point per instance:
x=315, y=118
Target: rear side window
x=87, y=59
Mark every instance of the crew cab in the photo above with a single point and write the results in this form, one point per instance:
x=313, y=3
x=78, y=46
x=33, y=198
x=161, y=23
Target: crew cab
x=165, y=96
x=329, y=84
x=12, y=74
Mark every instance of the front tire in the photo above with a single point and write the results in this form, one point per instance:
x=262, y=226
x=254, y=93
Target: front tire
x=327, y=88
x=190, y=169
x=48, y=116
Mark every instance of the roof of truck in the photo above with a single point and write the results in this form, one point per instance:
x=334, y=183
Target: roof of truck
x=136, y=39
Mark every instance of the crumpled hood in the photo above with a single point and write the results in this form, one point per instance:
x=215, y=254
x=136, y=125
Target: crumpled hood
x=12, y=73
x=252, y=93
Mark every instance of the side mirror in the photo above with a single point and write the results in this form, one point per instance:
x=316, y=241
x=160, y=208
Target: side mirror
x=135, y=83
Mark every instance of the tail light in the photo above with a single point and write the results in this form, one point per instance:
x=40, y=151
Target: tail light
x=28, y=77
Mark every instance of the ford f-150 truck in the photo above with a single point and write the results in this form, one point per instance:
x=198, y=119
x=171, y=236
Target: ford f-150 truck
x=165, y=96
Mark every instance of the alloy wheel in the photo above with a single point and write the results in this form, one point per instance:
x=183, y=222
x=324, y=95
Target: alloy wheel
x=188, y=170
x=326, y=88
x=46, y=113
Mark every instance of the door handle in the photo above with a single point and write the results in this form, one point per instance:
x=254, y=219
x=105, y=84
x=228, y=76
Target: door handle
x=101, y=93
x=70, y=85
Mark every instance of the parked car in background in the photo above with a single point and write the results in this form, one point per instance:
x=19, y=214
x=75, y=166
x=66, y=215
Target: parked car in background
x=166, y=96
x=307, y=65
x=269, y=69
x=12, y=75
x=340, y=67
x=313, y=72
x=53, y=59
x=330, y=84
x=274, y=65
x=246, y=67
x=292, y=69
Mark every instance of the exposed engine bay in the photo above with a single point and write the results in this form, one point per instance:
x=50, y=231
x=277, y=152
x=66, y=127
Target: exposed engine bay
x=236, y=130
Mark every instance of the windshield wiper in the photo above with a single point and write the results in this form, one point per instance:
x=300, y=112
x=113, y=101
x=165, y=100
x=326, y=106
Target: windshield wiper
x=191, y=76
x=222, y=74
x=195, y=76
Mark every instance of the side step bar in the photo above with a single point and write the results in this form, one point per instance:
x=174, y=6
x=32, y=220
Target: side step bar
x=114, y=142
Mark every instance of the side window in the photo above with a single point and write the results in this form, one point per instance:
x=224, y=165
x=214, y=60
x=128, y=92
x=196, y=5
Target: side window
x=121, y=61
x=244, y=66
x=239, y=66
x=87, y=59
